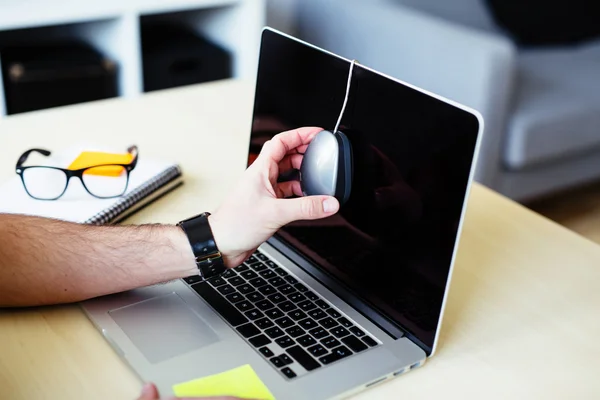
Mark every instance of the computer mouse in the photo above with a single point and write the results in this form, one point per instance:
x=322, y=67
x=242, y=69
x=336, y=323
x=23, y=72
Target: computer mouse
x=327, y=166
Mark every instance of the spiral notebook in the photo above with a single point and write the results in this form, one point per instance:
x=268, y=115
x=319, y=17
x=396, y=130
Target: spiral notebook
x=149, y=180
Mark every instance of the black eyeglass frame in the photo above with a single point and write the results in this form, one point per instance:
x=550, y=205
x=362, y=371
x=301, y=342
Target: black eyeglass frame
x=77, y=173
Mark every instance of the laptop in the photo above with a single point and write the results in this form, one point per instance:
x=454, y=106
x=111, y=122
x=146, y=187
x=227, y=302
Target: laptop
x=326, y=308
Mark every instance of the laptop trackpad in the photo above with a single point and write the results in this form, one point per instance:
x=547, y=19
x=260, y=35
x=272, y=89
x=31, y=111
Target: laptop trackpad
x=163, y=327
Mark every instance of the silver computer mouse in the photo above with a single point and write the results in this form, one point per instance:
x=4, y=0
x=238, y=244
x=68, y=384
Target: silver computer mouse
x=327, y=166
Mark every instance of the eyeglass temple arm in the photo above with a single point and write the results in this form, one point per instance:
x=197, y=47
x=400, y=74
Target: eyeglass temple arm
x=25, y=155
x=133, y=150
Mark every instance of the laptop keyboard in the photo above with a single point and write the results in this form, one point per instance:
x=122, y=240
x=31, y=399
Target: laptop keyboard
x=295, y=329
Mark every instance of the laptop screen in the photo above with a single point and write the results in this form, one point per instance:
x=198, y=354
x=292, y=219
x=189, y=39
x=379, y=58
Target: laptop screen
x=392, y=243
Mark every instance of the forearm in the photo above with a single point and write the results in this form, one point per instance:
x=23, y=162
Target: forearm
x=44, y=261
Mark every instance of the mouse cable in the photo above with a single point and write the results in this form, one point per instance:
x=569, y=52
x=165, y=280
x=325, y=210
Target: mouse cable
x=337, y=125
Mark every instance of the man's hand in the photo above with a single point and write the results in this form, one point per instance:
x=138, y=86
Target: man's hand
x=150, y=392
x=259, y=206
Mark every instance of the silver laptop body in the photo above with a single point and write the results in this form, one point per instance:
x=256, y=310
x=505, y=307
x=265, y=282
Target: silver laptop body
x=338, y=344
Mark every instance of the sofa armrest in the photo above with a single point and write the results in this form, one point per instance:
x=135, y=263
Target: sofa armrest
x=460, y=63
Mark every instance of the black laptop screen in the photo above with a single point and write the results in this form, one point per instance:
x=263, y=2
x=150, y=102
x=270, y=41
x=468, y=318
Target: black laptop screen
x=392, y=243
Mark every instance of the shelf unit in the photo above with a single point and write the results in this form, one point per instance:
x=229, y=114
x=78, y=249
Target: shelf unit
x=113, y=27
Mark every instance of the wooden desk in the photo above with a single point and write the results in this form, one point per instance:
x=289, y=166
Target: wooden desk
x=522, y=319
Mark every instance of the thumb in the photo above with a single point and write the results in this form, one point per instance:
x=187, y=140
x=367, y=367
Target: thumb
x=307, y=208
x=149, y=392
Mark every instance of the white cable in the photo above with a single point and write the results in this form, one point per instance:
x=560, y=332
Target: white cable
x=337, y=125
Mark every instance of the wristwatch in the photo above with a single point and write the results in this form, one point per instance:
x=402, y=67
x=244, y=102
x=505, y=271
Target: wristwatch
x=208, y=257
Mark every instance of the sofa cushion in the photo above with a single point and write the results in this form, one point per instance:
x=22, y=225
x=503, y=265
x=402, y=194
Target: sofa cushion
x=556, y=113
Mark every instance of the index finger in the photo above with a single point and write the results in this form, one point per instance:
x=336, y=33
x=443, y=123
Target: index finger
x=277, y=148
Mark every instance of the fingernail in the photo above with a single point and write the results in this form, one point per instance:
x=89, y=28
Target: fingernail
x=147, y=389
x=329, y=205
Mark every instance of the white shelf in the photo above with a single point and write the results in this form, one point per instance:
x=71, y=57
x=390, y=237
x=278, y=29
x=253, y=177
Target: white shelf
x=113, y=28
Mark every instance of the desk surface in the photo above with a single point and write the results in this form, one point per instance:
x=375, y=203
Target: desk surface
x=522, y=316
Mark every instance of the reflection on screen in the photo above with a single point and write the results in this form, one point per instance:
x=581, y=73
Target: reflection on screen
x=393, y=241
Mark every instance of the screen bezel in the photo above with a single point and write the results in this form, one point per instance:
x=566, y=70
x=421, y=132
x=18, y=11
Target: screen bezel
x=392, y=328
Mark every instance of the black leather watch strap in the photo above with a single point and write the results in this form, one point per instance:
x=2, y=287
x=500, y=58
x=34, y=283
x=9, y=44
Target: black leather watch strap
x=208, y=257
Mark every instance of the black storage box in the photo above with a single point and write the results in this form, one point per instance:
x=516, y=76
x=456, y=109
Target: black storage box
x=55, y=74
x=174, y=56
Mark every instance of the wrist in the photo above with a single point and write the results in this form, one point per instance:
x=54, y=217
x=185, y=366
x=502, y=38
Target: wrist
x=222, y=240
x=182, y=245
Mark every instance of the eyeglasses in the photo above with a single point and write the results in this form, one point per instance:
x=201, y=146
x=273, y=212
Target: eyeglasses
x=103, y=181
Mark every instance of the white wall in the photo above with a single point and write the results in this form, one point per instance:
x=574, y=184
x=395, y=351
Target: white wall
x=281, y=15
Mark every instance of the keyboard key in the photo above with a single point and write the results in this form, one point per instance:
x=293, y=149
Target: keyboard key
x=319, y=332
x=336, y=354
x=287, y=306
x=295, y=331
x=354, y=343
x=297, y=297
x=217, y=281
x=270, y=264
x=276, y=361
x=317, y=314
x=274, y=313
x=225, y=289
x=311, y=295
x=307, y=340
x=236, y=281
x=264, y=305
x=369, y=341
x=277, y=298
x=192, y=279
x=274, y=332
x=221, y=306
x=300, y=287
x=328, y=322
x=255, y=296
x=357, y=331
x=245, y=289
x=291, y=280
x=244, y=305
x=321, y=304
x=230, y=273
x=249, y=274
x=285, y=359
x=287, y=371
x=248, y=330
x=303, y=358
x=252, y=260
x=260, y=256
x=307, y=323
x=284, y=341
x=317, y=350
x=267, y=290
x=297, y=315
x=277, y=281
x=259, y=341
x=265, y=351
x=330, y=342
x=257, y=282
x=286, y=289
x=339, y=332
x=254, y=314
x=258, y=267
x=344, y=322
x=267, y=274
x=280, y=272
x=307, y=305
x=333, y=313
x=234, y=297
x=264, y=323
x=284, y=322
x=242, y=268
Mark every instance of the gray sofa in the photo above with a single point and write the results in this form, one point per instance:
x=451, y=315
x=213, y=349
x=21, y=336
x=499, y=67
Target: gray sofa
x=541, y=106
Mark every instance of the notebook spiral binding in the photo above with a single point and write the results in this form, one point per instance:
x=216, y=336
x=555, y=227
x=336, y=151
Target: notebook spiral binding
x=132, y=198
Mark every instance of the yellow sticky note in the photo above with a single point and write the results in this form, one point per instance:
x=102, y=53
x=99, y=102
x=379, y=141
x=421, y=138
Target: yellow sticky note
x=90, y=158
x=239, y=382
